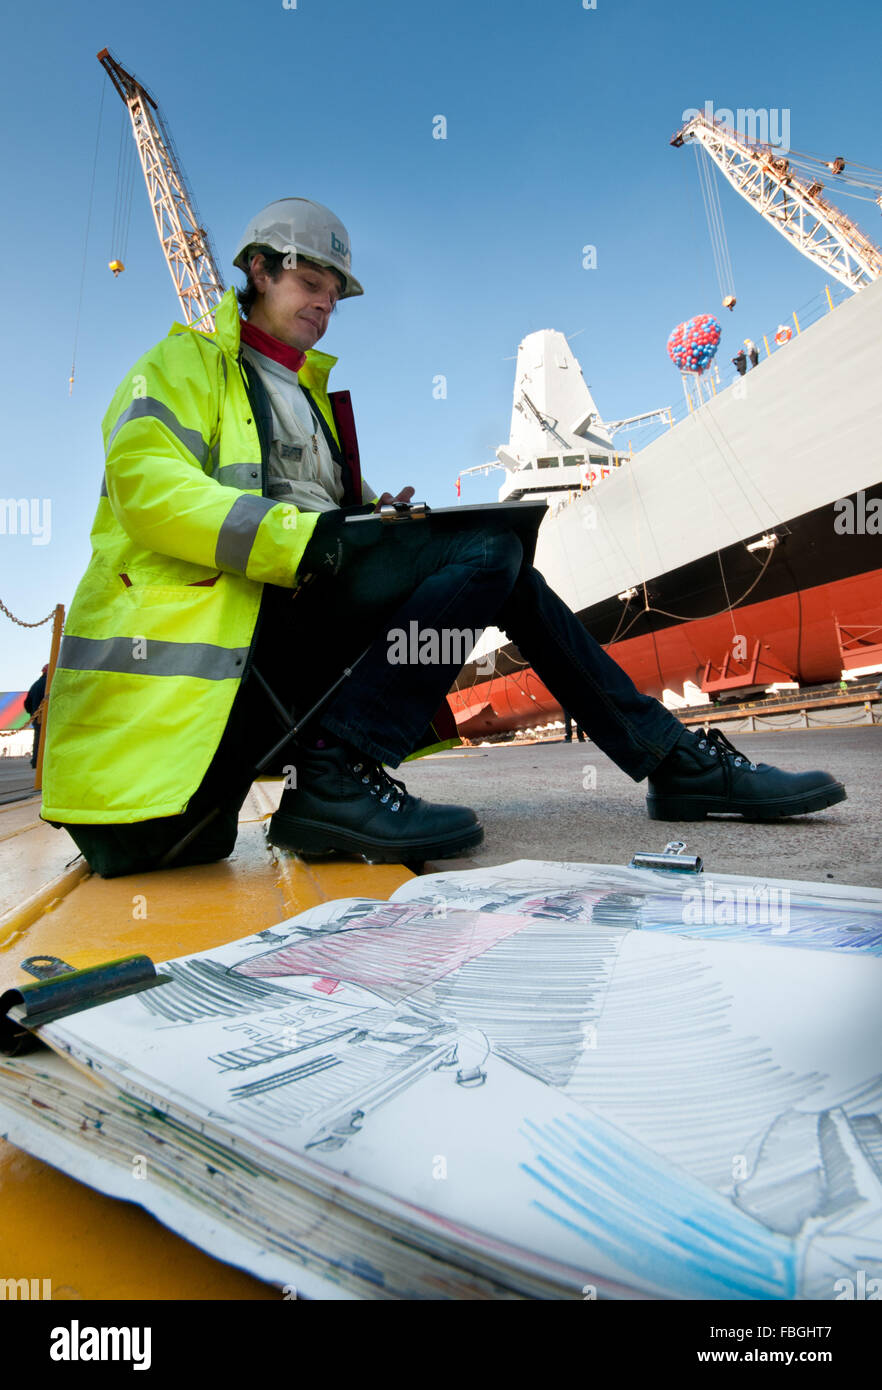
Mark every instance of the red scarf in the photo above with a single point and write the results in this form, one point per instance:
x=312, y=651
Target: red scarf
x=289, y=357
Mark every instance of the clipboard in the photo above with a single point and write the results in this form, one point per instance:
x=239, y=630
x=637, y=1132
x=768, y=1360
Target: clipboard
x=62, y=990
x=524, y=518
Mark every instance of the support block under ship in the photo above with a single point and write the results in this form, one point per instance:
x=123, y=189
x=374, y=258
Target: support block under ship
x=741, y=548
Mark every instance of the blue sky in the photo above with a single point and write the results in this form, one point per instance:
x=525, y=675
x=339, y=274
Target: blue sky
x=558, y=127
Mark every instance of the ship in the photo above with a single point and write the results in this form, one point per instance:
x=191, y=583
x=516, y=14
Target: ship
x=741, y=549
x=96, y=1247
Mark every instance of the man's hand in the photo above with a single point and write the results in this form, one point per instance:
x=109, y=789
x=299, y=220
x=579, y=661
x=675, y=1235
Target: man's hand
x=404, y=495
x=334, y=544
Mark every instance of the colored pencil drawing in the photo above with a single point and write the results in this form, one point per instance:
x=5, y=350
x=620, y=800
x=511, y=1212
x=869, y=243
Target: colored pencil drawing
x=666, y=1107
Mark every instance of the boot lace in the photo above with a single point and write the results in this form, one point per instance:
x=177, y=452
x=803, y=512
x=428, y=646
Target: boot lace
x=388, y=790
x=717, y=745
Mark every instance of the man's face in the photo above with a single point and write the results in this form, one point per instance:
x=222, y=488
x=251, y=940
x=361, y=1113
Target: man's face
x=296, y=307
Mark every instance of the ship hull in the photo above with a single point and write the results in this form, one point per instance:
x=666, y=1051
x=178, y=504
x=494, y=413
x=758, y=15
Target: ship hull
x=741, y=548
x=809, y=635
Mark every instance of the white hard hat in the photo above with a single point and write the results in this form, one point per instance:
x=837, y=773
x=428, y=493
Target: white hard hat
x=296, y=224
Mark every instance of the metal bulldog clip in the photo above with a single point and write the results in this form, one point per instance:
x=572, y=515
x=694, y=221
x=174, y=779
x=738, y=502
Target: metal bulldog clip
x=404, y=511
x=671, y=858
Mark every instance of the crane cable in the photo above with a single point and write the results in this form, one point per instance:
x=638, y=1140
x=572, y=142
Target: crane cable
x=715, y=223
x=125, y=188
x=819, y=170
x=817, y=165
x=86, y=246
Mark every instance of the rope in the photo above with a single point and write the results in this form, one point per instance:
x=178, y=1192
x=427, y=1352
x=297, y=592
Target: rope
x=634, y=496
x=698, y=618
x=21, y=623
x=618, y=635
x=86, y=243
x=709, y=430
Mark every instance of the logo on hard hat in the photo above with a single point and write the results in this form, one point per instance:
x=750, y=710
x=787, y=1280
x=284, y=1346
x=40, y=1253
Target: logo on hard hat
x=339, y=247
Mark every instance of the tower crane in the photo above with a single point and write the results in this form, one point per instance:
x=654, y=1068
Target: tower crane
x=185, y=243
x=791, y=204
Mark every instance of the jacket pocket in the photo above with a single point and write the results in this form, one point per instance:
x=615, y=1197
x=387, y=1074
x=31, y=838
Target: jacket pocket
x=182, y=595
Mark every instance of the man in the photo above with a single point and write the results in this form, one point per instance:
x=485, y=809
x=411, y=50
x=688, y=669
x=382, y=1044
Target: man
x=32, y=702
x=752, y=351
x=227, y=595
x=568, y=728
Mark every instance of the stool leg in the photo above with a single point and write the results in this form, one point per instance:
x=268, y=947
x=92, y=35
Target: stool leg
x=292, y=731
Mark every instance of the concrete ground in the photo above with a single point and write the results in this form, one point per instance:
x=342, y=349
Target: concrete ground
x=568, y=801
x=16, y=779
x=559, y=800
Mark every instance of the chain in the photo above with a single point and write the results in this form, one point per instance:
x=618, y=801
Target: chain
x=14, y=619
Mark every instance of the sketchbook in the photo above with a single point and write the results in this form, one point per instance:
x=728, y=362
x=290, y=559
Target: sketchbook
x=536, y=1080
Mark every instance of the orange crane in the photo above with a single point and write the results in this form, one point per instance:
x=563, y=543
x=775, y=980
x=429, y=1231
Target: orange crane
x=185, y=242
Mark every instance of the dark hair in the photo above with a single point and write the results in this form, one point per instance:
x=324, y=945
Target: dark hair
x=274, y=264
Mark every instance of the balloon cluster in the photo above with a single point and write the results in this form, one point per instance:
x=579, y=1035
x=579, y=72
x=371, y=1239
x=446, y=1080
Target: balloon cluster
x=693, y=345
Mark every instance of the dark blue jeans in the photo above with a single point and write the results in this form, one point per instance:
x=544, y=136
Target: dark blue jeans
x=413, y=582
x=453, y=582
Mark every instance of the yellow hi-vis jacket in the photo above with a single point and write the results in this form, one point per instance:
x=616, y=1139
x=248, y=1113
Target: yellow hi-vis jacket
x=159, y=631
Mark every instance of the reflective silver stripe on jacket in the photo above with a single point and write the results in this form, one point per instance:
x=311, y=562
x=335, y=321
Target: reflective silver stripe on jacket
x=153, y=409
x=148, y=656
x=236, y=535
x=241, y=475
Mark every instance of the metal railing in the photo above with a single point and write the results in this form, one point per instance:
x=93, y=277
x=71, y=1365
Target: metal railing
x=723, y=374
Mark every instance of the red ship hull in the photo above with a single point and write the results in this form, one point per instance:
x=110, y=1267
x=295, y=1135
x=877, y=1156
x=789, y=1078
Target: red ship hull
x=809, y=635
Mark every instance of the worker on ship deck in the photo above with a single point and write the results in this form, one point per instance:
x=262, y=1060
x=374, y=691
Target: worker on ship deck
x=223, y=568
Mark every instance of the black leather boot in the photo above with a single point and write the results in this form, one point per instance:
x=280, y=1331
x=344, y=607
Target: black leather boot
x=704, y=773
x=345, y=801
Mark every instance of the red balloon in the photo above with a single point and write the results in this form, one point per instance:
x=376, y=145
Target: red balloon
x=693, y=344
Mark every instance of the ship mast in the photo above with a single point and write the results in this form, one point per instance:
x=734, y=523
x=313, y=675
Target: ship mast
x=185, y=243
x=793, y=206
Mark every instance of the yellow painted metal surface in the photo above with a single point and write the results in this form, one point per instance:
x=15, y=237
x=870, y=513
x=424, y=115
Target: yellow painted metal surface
x=92, y=1246
x=51, y=1226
